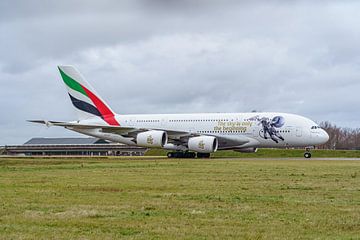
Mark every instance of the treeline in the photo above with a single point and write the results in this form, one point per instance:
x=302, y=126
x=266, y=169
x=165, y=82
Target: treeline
x=341, y=138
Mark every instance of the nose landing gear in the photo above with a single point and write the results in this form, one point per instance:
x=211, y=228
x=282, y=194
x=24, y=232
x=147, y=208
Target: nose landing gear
x=307, y=153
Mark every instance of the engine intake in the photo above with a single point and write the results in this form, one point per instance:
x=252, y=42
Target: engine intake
x=152, y=138
x=203, y=144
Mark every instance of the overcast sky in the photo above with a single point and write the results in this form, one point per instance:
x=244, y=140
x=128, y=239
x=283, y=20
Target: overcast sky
x=168, y=56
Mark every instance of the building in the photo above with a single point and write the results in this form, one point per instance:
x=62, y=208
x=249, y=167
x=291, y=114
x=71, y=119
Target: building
x=73, y=146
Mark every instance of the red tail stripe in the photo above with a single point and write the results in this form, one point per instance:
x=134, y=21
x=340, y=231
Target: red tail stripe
x=106, y=113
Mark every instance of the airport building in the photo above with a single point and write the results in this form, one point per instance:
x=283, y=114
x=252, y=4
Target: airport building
x=73, y=147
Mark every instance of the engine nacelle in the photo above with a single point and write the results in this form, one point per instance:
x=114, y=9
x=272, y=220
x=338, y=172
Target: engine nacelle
x=152, y=139
x=246, y=150
x=203, y=144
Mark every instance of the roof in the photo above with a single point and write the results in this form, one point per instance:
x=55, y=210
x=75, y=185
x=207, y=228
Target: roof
x=61, y=141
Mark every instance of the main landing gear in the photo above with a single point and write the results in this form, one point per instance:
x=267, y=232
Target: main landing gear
x=180, y=154
x=203, y=155
x=307, y=153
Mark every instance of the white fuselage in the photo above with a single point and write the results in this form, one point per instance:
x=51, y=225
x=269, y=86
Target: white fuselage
x=268, y=129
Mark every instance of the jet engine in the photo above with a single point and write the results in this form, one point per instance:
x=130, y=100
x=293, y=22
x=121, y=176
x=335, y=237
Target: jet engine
x=246, y=150
x=152, y=138
x=203, y=144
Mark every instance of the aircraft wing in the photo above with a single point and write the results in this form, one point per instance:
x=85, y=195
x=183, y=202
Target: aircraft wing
x=123, y=131
x=232, y=141
x=80, y=126
x=176, y=137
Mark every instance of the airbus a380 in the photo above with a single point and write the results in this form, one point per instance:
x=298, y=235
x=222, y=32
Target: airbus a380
x=185, y=135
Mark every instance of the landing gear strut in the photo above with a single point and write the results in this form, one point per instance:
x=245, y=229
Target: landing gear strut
x=307, y=154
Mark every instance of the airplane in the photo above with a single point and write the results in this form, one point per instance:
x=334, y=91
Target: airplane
x=185, y=135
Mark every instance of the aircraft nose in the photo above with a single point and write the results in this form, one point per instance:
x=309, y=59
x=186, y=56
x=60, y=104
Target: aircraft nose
x=324, y=136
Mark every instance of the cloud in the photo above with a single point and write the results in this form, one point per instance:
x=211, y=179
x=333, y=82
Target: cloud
x=179, y=56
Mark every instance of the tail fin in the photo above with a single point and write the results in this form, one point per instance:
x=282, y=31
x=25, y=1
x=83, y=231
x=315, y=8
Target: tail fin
x=84, y=98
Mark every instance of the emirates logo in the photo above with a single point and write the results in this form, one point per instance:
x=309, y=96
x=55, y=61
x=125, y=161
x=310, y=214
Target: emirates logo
x=150, y=140
x=201, y=144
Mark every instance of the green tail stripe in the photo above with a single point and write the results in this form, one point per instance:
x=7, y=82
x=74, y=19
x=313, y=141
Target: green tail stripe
x=71, y=83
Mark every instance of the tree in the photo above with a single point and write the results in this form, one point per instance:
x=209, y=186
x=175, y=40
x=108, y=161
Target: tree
x=341, y=138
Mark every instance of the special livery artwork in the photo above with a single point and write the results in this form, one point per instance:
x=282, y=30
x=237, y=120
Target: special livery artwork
x=270, y=127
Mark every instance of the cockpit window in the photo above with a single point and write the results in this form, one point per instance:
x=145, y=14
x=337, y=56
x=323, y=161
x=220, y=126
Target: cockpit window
x=315, y=127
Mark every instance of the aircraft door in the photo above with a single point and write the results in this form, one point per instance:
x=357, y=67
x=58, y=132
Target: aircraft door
x=132, y=121
x=298, y=131
x=164, y=122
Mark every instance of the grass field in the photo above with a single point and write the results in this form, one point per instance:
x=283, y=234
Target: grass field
x=273, y=153
x=150, y=198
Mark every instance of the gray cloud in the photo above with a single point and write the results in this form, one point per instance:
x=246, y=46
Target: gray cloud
x=179, y=56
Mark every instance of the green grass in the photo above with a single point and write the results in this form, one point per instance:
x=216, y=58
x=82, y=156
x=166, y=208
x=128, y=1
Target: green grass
x=273, y=153
x=150, y=198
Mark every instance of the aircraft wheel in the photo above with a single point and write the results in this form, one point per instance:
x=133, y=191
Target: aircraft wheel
x=189, y=155
x=180, y=154
x=203, y=155
x=307, y=155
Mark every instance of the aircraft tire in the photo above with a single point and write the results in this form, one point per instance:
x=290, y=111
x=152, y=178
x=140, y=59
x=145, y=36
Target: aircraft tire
x=203, y=155
x=181, y=154
x=307, y=155
x=189, y=155
x=178, y=154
